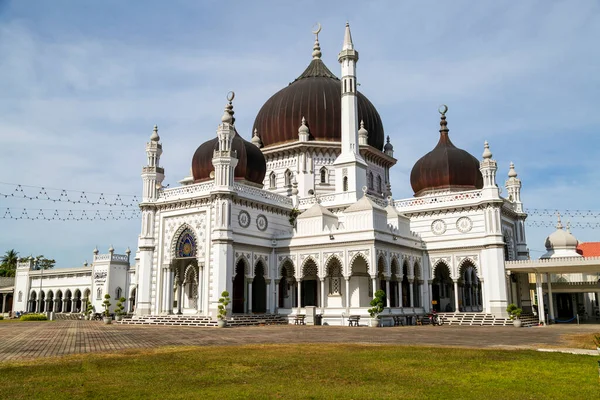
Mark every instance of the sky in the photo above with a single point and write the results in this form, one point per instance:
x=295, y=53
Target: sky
x=83, y=83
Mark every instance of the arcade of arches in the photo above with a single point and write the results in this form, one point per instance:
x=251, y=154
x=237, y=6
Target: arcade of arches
x=463, y=294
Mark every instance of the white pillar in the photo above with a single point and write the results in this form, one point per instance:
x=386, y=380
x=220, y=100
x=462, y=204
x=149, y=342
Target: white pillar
x=429, y=295
x=169, y=289
x=74, y=306
x=387, y=292
x=483, y=305
x=456, y=309
x=299, y=296
x=3, y=302
x=550, y=300
x=269, y=296
x=250, y=297
x=347, y=294
x=275, y=305
x=540, y=297
x=411, y=290
x=200, y=300
x=400, y=302
x=179, y=296
x=322, y=295
x=374, y=280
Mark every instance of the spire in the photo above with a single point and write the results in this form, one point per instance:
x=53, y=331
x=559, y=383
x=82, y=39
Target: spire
x=443, y=124
x=487, y=154
x=154, y=137
x=363, y=134
x=303, y=131
x=228, y=113
x=511, y=172
x=559, y=224
x=256, y=139
x=568, y=226
x=348, y=45
x=316, y=54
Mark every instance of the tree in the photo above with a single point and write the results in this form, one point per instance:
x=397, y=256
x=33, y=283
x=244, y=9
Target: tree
x=8, y=263
x=44, y=263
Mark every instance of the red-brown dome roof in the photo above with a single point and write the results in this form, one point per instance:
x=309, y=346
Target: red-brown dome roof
x=445, y=167
x=251, y=164
x=315, y=95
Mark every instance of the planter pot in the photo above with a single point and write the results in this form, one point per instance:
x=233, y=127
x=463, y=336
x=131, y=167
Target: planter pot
x=221, y=323
x=374, y=322
x=107, y=320
x=118, y=318
x=517, y=323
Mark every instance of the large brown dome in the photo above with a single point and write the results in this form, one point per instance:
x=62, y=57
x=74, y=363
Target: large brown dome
x=446, y=167
x=251, y=164
x=315, y=95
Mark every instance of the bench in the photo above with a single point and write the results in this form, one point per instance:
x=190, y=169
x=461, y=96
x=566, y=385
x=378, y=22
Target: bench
x=299, y=319
x=353, y=320
x=399, y=320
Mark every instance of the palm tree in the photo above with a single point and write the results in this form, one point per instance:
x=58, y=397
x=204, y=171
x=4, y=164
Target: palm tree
x=9, y=259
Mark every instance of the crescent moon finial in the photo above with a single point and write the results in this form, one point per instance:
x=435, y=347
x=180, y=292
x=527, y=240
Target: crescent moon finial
x=443, y=109
x=230, y=96
x=318, y=30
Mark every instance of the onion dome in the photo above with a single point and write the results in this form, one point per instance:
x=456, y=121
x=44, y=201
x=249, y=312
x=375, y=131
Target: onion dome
x=251, y=165
x=446, y=167
x=316, y=95
x=561, y=243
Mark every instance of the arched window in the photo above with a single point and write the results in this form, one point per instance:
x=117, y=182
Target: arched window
x=345, y=184
x=272, y=180
x=118, y=293
x=186, y=245
x=379, y=185
x=370, y=180
x=323, y=174
x=99, y=294
x=288, y=178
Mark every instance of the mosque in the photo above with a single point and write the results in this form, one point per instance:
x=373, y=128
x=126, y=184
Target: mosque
x=300, y=219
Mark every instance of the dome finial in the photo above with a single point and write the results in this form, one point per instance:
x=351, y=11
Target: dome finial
x=154, y=137
x=228, y=113
x=348, y=45
x=487, y=154
x=256, y=139
x=363, y=134
x=303, y=131
x=568, y=226
x=316, y=54
x=443, y=124
x=512, y=173
x=559, y=224
x=388, y=148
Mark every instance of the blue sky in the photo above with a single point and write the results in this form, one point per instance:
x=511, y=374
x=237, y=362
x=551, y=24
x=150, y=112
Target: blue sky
x=83, y=83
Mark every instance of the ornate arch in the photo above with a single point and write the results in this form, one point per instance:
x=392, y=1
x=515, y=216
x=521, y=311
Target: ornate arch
x=190, y=270
x=382, y=262
x=286, y=261
x=357, y=255
x=437, y=263
x=395, y=262
x=461, y=266
x=303, y=266
x=260, y=261
x=330, y=259
x=417, y=270
x=242, y=257
x=181, y=238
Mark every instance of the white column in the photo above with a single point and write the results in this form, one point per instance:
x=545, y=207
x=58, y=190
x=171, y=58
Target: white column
x=483, y=306
x=249, y=297
x=411, y=288
x=299, y=296
x=269, y=296
x=179, y=296
x=429, y=295
x=347, y=294
x=550, y=300
x=387, y=292
x=74, y=306
x=169, y=289
x=200, y=300
x=540, y=297
x=275, y=305
x=400, y=303
x=374, y=280
x=3, y=302
x=456, y=309
x=322, y=295
x=165, y=300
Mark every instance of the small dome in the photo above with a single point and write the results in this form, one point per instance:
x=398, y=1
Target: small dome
x=561, y=243
x=251, y=165
x=446, y=167
x=388, y=146
x=316, y=95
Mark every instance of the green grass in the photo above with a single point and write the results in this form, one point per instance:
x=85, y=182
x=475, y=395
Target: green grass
x=305, y=371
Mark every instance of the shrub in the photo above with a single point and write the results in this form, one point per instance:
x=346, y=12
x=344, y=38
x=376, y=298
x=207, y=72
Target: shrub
x=223, y=303
x=514, y=311
x=1, y=317
x=377, y=304
x=33, y=317
x=119, y=307
x=106, y=304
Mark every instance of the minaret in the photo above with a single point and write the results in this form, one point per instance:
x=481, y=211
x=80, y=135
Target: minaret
x=152, y=177
x=488, y=168
x=224, y=160
x=351, y=169
x=513, y=187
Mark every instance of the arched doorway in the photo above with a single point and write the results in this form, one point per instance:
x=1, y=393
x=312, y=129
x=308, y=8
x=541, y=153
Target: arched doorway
x=381, y=277
x=69, y=302
x=59, y=301
x=239, y=288
x=50, y=301
x=405, y=286
x=42, y=302
x=286, y=284
x=417, y=285
x=32, y=302
x=309, y=284
x=335, y=296
x=259, y=289
x=470, y=288
x=132, y=301
x=181, y=282
x=361, y=287
x=394, y=284
x=77, y=301
x=443, y=289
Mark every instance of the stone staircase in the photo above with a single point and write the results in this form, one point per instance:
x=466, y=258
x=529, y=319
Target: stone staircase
x=201, y=321
x=67, y=316
x=483, y=319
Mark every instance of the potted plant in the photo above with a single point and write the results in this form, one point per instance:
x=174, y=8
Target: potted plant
x=119, y=309
x=89, y=308
x=222, y=309
x=377, y=306
x=106, y=304
x=514, y=313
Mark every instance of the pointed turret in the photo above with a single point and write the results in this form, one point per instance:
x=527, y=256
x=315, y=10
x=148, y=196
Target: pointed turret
x=348, y=45
x=388, y=148
x=224, y=158
x=363, y=134
x=256, y=139
x=152, y=173
x=513, y=187
x=303, y=131
x=488, y=168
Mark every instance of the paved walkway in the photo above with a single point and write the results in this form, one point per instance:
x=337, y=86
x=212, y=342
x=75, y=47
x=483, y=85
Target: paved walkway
x=27, y=340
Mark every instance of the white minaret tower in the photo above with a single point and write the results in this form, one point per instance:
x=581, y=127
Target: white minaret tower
x=152, y=177
x=224, y=160
x=488, y=168
x=351, y=169
x=513, y=187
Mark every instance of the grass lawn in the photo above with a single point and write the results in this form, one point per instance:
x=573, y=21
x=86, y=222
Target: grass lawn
x=305, y=371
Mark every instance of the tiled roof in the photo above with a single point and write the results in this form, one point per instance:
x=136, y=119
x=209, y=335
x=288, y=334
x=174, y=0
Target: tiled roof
x=589, y=249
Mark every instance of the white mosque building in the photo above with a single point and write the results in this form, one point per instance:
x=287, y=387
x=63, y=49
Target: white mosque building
x=301, y=218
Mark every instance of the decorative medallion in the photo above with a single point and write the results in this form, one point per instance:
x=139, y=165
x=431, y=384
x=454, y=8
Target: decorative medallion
x=244, y=219
x=261, y=222
x=186, y=245
x=464, y=224
x=438, y=227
